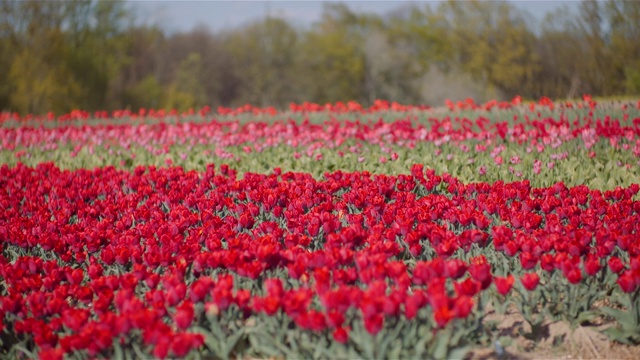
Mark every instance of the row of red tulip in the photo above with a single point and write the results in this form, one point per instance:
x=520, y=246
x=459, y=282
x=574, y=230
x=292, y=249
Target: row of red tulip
x=537, y=132
x=97, y=255
x=378, y=106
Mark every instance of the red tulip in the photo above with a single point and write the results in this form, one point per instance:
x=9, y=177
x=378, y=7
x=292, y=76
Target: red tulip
x=628, y=281
x=182, y=344
x=246, y=221
x=51, y=354
x=75, y=319
x=184, y=315
x=468, y=287
x=455, y=268
x=335, y=319
x=463, y=306
x=548, y=262
x=573, y=274
x=443, y=315
x=412, y=305
x=504, y=284
x=373, y=324
x=592, y=265
x=615, y=265
x=528, y=260
x=480, y=271
x=341, y=335
x=530, y=281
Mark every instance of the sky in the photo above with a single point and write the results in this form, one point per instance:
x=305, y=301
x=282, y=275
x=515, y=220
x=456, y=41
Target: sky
x=179, y=16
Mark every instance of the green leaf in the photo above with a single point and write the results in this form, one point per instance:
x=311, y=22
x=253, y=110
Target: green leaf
x=442, y=344
x=212, y=343
x=24, y=350
x=231, y=342
x=139, y=353
x=459, y=353
x=619, y=335
x=118, y=354
x=388, y=338
x=622, y=317
x=586, y=316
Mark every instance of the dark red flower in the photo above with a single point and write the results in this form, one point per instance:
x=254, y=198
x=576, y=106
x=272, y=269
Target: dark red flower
x=242, y=298
x=391, y=303
x=468, y=287
x=370, y=305
x=480, y=271
x=573, y=274
x=511, y=248
x=316, y=320
x=592, y=265
x=335, y=319
x=75, y=319
x=200, y=288
x=463, y=306
x=122, y=256
x=504, y=284
x=183, y=343
x=270, y=305
x=51, y=354
x=246, y=221
x=548, y=262
x=455, y=268
x=184, y=315
x=175, y=294
x=373, y=324
x=442, y=315
x=274, y=287
x=412, y=305
x=530, y=281
x=615, y=265
x=628, y=281
x=528, y=260
x=161, y=348
x=341, y=335
x=75, y=277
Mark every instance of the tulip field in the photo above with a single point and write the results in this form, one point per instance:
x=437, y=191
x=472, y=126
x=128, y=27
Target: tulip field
x=324, y=231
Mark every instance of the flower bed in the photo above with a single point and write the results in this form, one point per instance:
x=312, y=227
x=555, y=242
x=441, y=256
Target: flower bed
x=115, y=244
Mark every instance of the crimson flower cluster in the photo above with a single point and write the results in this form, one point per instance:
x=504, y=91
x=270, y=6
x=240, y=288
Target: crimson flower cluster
x=96, y=256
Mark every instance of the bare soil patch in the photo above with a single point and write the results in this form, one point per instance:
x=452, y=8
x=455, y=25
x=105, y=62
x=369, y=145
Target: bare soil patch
x=556, y=341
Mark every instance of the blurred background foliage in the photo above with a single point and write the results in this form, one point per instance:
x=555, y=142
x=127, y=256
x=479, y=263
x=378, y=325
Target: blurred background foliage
x=94, y=55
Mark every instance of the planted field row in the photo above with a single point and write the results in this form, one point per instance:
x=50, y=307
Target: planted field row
x=167, y=262
x=379, y=107
x=327, y=231
x=581, y=148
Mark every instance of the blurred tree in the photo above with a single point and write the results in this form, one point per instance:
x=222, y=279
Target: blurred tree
x=263, y=56
x=624, y=40
x=187, y=90
x=217, y=83
x=331, y=57
x=61, y=51
x=390, y=64
x=492, y=42
x=38, y=86
x=148, y=93
x=423, y=33
x=6, y=60
x=597, y=72
x=558, y=46
x=97, y=36
x=60, y=55
x=39, y=77
x=143, y=53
